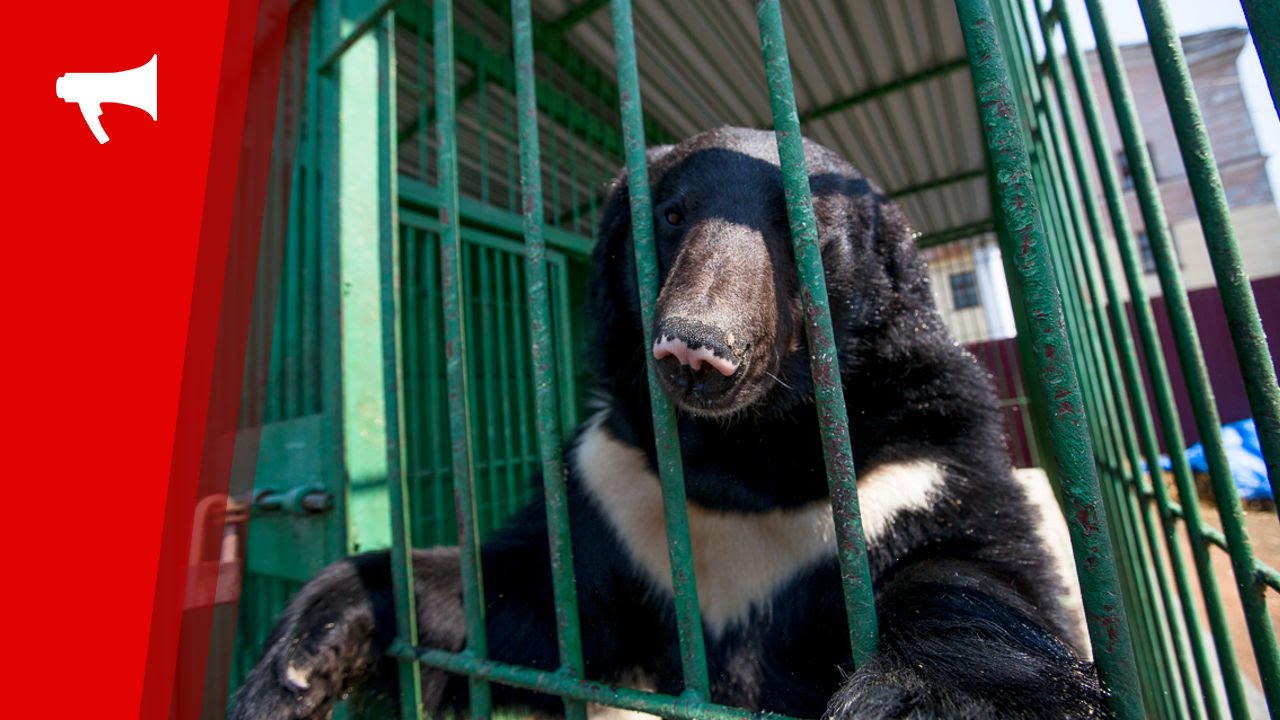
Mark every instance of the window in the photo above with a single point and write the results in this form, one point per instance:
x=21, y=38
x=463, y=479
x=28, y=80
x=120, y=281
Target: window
x=964, y=290
x=1126, y=173
x=1145, y=252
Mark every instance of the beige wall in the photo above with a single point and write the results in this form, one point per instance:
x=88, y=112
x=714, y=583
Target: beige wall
x=1257, y=233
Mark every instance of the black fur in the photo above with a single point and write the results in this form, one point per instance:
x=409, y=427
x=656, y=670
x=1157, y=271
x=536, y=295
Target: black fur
x=971, y=626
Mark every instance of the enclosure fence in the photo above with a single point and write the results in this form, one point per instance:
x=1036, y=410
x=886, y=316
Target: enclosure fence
x=442, y=364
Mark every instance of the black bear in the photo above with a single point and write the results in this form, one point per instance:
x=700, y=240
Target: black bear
x=971, y=620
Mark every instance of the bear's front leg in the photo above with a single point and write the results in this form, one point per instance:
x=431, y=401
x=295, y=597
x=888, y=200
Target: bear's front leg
x=333, y=634
x=957, y=644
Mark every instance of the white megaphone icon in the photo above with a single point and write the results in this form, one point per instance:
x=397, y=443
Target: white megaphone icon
x=136, y=87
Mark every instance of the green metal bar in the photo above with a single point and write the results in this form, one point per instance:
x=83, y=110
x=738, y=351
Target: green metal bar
x=544, y=361
x=1095, y=558
x=371, y=19
x=961, y=232
x=573, y=16
x=824, y=363
x=478, y=215
x=936, y=183
x=435, y=403
x=1122, y=341
x=402, y=584
x=1264, y=26
x=580, y=690
x=502, y=305
x=1137, y=593
x=1119, y=443
x=1238, y=303
x=486, y=386
x=1191, y=358
x=564, y=344
x=1158, y=372
x=688, y=617
x=1187, y=629
x=456, y=353
x=901, y=83
x=528, y=444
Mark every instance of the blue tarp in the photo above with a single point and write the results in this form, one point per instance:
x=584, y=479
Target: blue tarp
x=1245, y=456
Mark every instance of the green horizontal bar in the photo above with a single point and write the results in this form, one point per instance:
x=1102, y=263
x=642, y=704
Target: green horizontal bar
x=961, y=232
x=364, y=25
x=1264, y=573
x=573, y=16
x=882, y=90
x=416, y=192
x=555, y=683
x=936, y=183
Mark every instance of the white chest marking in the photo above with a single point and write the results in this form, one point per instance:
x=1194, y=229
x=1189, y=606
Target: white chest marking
x=740, y=559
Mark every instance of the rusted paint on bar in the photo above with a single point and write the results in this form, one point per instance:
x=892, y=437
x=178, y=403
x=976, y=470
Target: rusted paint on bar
x=544, y=360
x=693, y=655
x=824, y=363
x=1053, y=364
x=456, y=352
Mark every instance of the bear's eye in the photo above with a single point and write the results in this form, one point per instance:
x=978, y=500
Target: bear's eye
x=675, y=217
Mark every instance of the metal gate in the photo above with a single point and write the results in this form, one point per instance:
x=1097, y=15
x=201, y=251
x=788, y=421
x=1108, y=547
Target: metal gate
x=427, y=325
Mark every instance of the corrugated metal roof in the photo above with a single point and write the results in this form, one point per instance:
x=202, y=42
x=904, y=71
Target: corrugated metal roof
x=700, y=67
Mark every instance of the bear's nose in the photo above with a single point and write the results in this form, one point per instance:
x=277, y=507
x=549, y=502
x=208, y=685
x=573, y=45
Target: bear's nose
x=695, y=344
x=692, y=356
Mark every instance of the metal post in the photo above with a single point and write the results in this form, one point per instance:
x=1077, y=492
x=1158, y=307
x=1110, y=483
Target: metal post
x=544, y=361
x=1052, y=358
x=823, y=360
x=693, y=656
x=1191, y=358
x=456, y=354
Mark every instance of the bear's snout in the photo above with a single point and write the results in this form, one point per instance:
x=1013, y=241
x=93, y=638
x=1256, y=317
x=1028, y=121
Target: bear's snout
x=696, y=361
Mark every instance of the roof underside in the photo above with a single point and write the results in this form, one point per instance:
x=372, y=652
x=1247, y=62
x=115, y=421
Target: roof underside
x=885, y=82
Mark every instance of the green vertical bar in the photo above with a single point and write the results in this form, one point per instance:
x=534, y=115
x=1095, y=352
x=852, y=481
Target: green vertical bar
x=1122, y=342
x=456, y=352
x=487, y=386
x=564, y=342
x=544, y=360
x=521, y=346
x=392, y=363
x=833, y=417
x=437, y=405
x=1095, y=559
x=506, y=368
x=1264, y=26
x=1169, y=631
x=693, y=657
x=1158, y=373
x=1238, y=303
x=1190, y=356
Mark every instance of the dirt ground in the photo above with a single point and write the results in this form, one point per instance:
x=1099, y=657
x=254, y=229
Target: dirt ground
x=1264, y=533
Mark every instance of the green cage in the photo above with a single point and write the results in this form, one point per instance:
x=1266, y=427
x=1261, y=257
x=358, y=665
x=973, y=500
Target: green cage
x=452, y=161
